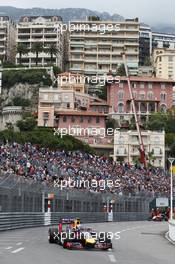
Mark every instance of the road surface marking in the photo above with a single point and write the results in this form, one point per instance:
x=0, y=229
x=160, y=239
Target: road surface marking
x=17, y=250
x=112, y=258
x=19, y=244
x=8, y=248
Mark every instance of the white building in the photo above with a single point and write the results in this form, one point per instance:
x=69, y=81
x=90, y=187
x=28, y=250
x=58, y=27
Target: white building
x=10, y=115
x=126, y=146
x=164, y=63
x=45, y=30
x=7, y=38
x=95, y=47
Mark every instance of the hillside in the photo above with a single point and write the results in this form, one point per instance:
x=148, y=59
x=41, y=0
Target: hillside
x=67, y=14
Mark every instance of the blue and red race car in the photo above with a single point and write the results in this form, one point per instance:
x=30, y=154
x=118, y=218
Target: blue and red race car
x=71, y=235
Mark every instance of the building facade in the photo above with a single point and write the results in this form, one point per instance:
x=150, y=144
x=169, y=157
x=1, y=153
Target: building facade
x=149, y=41
x=7, y=39
x=145, y=45
x=126, y=147
x=151, y=95
x=44, y=30
x=164, y=63
x=94, y=48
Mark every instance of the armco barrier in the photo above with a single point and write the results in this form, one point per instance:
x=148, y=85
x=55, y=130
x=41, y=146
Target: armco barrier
x=172, y=230
x=134, y=216
x=9, y=221
x=85, y=217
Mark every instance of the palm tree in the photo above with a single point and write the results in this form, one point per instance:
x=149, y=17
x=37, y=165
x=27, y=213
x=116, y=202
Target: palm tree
x=21, y=50
x=53, y=51
x=37, y=48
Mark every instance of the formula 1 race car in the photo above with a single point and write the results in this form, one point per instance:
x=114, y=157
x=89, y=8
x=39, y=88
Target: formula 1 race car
x=71, y=235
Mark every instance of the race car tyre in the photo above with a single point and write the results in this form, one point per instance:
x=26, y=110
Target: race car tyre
x=53, y=232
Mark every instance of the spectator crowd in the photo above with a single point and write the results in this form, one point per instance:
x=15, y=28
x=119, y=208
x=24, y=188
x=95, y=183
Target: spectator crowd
x=41, y=164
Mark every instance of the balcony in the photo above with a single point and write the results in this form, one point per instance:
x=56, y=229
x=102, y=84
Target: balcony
x=76, y=51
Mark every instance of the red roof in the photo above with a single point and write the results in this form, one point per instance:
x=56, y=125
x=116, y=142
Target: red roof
x=79, y=113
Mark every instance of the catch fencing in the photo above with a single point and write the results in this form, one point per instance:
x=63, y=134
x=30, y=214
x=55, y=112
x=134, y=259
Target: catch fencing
x=24, y=203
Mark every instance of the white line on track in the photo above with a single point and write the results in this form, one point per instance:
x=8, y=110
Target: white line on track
x=112, y=258
x=8, y=248
x=19, y=244
x=17, y=250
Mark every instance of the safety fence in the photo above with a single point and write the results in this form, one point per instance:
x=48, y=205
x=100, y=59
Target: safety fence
x=9, y=221
x=24, y=203
x=21, y=195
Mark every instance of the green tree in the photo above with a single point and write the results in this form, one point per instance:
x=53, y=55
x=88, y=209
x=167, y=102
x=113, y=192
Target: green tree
x=27, y=124
x=21, y=49
x=150, y=157
x=157, y=121
x=121, y=70
x=19, y=101
x=112, y=123
x=52, y=50
x=37, y=48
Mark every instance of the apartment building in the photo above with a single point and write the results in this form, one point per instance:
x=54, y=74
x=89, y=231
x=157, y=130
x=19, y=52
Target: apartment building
x=151, y=95
x=163, y=40
x=45, y=30
x=149, y=41
x=7, y=39
x=126, y=147
x=145, y=45
x=95, y=47
x=164, y=63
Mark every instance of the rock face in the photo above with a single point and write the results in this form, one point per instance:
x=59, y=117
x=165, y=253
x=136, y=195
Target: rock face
x=25, y=91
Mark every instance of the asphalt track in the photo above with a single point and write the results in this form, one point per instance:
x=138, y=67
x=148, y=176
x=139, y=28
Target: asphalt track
x=139, y=243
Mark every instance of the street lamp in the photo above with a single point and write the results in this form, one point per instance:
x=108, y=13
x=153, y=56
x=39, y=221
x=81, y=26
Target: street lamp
x=171, y=160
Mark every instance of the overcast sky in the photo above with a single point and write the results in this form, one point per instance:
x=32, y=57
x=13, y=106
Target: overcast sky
x=149, y=11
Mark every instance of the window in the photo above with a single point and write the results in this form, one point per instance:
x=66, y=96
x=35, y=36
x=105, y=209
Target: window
x=163, y=108
x=64, y=118
x=120, y=108
x=120, y=95
x=134, y=85
x=55, y=97
x=81, y=119
x=121, y=140
x=142, y=96
x=68, y=105
x=89, y=119
x=73, y=119
x=97, y=119
x=142, y=85
x=135, y=95
x=121, y=84
x=162, y=85
x=162, y=96
x=150, y=86
x=45, y=96
x=170, y=58
x=150, y=96
x=156, y=140
x=45, y=115
x=66, y=98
